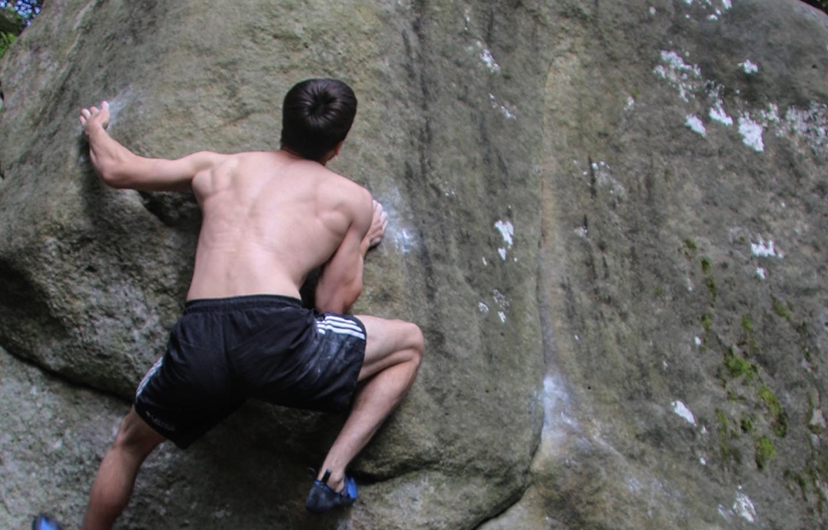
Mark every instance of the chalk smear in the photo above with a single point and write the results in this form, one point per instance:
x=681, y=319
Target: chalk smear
x=744, y=507
x=717, y=113
x=487, y=58
x=751, y=133
x=681, y=410
x=763, y=249
x=678, y=73
x=508, y=114
x=695, y=124
x=507, y=232
x=749, y=67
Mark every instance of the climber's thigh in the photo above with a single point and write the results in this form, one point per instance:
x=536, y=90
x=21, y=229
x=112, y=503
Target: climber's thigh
x=389, y=342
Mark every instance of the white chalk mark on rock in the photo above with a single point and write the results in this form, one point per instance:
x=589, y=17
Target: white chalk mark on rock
x=749, y=67
x=751, y=133
x=507, y=232
x=764, y=249
x=508, y=114
x=695, y=124
x=717, y=113
x=744, y=507
x=487, y=58
x=404, y=239
x=681, y=75
x=502, y=302
x=682, y=410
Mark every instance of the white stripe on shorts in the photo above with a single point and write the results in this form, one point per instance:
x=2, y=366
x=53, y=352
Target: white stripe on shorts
x=340, y=326
x=343, y=322
x=150, y=373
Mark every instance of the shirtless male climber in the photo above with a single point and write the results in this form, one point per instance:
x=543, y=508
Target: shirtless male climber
x=269, y=218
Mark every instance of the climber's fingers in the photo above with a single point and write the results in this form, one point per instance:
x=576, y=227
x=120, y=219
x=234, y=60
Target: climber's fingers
x=94, y=116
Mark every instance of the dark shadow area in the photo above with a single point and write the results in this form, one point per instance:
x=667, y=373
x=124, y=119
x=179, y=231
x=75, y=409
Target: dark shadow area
x=24, y=313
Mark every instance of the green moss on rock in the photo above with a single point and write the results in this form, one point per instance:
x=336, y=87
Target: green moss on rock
x=782, y=309
x=765, y=451
x=706, y=322
x=709, y=280
x=778, y=417
x=738, y=366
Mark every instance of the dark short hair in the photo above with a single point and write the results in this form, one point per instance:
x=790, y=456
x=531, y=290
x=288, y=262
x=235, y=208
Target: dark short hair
x=317, y=114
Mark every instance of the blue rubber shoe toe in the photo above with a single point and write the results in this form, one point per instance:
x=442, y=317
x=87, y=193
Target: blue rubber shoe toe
x=322, y=498
x=45, y=522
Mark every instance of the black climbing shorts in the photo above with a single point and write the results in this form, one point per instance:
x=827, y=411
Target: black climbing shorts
x=224, y=351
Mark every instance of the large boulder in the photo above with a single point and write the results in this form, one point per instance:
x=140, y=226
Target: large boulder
x=683, y=305
x=608, y=218
x=94, y=278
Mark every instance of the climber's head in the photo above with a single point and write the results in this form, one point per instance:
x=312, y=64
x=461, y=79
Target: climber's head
x=316, y=117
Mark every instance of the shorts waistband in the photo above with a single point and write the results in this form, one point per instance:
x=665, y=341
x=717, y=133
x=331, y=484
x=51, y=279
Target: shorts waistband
x=235, y=303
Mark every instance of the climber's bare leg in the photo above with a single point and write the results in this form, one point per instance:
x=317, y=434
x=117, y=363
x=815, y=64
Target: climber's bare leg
x=392, y=357
x=116, y=476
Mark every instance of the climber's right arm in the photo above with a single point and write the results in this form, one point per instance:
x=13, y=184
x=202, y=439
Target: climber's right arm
x=121, y=168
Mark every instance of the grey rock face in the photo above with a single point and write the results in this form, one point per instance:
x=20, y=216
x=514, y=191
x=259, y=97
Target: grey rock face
x=608, y=218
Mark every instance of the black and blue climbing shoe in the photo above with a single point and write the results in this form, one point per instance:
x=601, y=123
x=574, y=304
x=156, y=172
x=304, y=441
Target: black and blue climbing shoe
x=45, y=522
x=322, y=498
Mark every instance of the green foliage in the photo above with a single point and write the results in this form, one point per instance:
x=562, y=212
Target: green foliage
x=10, y=23
x=765, y=451
x=23, y=11
x=15, y=16
x=746, y=424
x=6, y=40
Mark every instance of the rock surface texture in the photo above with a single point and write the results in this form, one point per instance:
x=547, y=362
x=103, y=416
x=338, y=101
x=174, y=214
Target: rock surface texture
x=609, y=218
